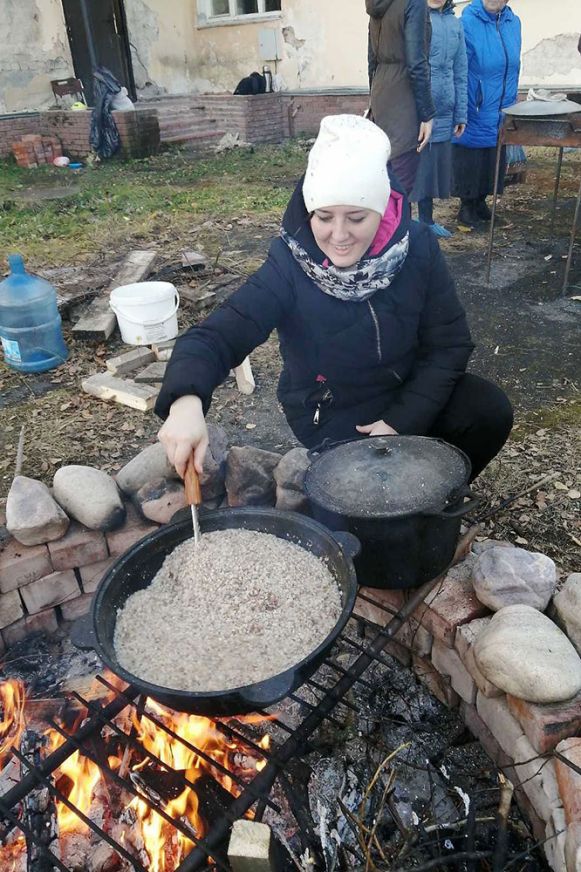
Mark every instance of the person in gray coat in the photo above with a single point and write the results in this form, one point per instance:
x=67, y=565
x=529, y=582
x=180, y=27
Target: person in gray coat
x=399, y=77
x=449, y=70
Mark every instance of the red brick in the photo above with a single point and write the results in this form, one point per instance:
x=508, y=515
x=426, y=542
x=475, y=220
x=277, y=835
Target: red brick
x=529, y=812
x=452, y=603
x=43, y=622
x=122, y=540
x=10, y=608
x=547, y=725
x=391, y=600
x=50, y=591
x=569, y=780
x=500, y=721
x=21, y=564
x=78, y=547
x=76, y=608
x=437, y=684
x=91, y=575
x=447, y=661
x=573, y=847
x=480, y=731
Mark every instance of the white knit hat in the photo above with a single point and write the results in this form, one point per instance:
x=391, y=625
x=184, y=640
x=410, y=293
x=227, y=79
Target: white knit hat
x=348, y=165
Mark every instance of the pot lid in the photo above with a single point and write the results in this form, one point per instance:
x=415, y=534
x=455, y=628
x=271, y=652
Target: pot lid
x=542, y=108
x=387, y=476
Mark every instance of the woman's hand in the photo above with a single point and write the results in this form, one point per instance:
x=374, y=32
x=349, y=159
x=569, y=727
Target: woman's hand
x=378, y=428
x=185, y=431
x=459, y=129
x=424, y=134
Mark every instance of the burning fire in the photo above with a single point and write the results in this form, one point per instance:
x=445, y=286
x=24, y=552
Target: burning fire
x=130, y=820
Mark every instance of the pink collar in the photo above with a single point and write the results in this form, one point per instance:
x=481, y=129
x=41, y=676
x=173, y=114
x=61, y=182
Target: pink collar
x=389, y=223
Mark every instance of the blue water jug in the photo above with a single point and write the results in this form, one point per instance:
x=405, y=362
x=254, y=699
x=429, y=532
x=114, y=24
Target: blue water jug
x=30, y=324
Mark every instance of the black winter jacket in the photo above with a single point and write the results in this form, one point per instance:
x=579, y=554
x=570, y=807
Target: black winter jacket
x=396, y=356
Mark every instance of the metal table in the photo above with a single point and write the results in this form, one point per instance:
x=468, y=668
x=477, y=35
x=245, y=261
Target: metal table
x=557, y=131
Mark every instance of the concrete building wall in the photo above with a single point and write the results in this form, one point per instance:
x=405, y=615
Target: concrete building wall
x=33, y=50
x=321, y=44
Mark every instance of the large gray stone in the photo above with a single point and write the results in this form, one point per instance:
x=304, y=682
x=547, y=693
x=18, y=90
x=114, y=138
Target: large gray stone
x=160, y=500
x=288, y=500
x=525, y=654
x=213, y=478
x=90, y=496
x=568, y=608
x=250, y=476
x=290, y=472
x=149, y=465
x=512, y=576
x=32, y=515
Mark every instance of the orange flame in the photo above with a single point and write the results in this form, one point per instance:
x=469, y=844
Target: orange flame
x=12, y=697
x=165, y=846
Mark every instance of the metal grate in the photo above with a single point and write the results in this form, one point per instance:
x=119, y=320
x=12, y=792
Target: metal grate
x=294, y=742
x=256, y=794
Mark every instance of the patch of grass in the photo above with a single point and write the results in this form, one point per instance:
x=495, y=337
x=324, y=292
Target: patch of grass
x=119, y=202
x=562, y=416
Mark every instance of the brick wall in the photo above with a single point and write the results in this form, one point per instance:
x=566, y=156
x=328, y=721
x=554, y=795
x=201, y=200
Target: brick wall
x=303, y=112
x=272, y=118
x=264, y=118
x=13, y=127
x=139, y=131
x=42, y=585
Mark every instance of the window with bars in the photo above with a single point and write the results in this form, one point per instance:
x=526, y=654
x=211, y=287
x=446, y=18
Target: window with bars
x=224, y=9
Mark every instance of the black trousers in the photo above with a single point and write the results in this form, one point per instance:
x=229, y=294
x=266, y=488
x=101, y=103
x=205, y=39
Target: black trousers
x=477, y=419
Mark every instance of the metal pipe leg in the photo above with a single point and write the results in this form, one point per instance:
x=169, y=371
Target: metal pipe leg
x=557, y=184
x=572, y=243
x=494, y=202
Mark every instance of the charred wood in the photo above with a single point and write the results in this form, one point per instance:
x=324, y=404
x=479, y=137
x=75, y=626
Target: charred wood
x=39, y=811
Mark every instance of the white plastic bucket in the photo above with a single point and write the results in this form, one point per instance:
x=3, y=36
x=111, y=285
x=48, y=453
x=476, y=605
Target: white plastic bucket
x=146, y=312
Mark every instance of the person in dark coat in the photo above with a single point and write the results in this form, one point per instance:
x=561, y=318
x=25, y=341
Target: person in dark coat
x=449, y=69
x=399, y=78
x=493, y=44
x=373, y=338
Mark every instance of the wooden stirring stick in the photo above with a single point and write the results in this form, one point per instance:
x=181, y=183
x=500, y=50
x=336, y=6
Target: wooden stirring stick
x=193, y=496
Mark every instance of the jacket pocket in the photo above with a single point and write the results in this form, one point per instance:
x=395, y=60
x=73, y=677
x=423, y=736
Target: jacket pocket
x=479, y=95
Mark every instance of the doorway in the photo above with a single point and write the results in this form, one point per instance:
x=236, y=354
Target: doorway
x=97, y=31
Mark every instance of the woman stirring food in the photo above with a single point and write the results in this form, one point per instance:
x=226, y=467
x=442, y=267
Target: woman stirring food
x=373, y=338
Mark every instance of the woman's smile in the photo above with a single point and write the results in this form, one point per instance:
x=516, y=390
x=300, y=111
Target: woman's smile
x=344, y=233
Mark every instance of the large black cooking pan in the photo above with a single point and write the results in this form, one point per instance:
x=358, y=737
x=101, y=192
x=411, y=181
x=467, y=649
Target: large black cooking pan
x=136, y=569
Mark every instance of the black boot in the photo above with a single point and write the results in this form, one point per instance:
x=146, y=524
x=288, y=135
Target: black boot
x=467, y=215
x=481, y=209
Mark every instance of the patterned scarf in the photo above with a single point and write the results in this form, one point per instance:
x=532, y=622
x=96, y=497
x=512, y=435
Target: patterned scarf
x=355, y=283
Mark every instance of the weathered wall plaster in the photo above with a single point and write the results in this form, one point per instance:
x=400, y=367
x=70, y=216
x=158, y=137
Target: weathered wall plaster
x=322, y=44
x=550, y=36
x=35, y=49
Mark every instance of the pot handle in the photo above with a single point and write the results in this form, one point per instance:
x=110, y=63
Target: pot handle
x=457, y=511
x=262, y=694
x=347, y=542
x=326, y=445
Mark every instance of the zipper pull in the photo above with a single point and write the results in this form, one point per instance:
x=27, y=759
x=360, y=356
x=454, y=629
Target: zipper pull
x=317, y=415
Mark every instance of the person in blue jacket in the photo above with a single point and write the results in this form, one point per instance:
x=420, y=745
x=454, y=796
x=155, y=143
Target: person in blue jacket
x=373, y=338
x=493, y=44
x=449, y=68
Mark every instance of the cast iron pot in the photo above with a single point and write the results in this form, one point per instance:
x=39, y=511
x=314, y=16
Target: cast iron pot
x=136, y=569
x=403, y=497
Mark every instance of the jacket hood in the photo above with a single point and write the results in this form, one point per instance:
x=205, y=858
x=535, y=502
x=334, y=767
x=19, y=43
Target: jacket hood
x=447, y=9
x=377, y=8
x=477, y=8
x=296, y=221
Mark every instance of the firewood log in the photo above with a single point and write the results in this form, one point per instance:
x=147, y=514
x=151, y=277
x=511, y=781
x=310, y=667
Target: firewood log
x=39, y=811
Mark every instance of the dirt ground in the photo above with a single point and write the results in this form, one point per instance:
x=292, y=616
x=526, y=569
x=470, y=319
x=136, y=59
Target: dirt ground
x=526, y=331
